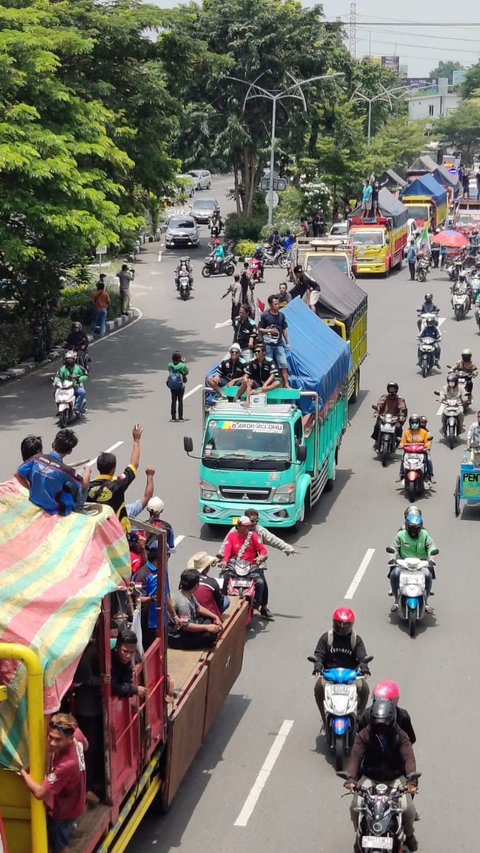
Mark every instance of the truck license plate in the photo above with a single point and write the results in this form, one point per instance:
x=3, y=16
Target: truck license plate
x=369, y=841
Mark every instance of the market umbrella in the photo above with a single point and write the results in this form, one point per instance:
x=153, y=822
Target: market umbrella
x=449, y=237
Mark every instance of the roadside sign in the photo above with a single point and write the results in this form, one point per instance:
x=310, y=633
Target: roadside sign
x=279, y=184
x=274, y=198
x=101, y=250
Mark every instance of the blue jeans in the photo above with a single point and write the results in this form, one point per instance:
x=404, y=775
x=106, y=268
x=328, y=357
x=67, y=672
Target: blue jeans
x=99, y=319
x=59, y=833
x=80, y=395
x=277, y=353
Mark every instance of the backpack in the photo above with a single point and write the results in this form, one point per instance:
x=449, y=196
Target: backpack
x=353, y=640
x=175, y=380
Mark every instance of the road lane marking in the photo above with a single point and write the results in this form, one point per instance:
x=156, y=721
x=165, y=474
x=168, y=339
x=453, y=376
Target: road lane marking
x=264, y=773
x=177, y=540
x=160, y=256
x=360, y=573
x=108, y=450
x=220, y=325
x=193, y=391
x=441, y=320
x=116, y=331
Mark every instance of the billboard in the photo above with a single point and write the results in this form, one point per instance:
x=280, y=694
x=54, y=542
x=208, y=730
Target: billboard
x=391, y=62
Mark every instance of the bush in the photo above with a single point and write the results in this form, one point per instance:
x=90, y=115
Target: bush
x=60, y=328
x=245, y=248
x=15, y=343
x=242, y=227
x=76, y=303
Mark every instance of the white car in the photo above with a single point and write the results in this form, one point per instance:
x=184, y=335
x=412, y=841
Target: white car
x=201, y=178
x=338, y=233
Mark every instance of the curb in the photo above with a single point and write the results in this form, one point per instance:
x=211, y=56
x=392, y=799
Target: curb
x=26, y=367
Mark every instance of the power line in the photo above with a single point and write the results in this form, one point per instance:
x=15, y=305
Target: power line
x=427, y=24
x=424, y=46
x=420, y=35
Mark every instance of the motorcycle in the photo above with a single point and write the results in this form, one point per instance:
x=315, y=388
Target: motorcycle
x=426, y=355
x=184, y=287
x=460, y=301
x=212, y=266
x=380, y=825
x=277, y=256
x=465, y=383
x=340, y=705
x=422, y=318
x=386, y=442
x=415, y=470
x=215, y=228
x=412, y=595
x=241, y=582
x=451, y=413
x=255, y=269
x=423, y=267
x=65, y=402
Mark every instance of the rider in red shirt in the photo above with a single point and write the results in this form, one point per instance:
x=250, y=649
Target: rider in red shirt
x=243, y=543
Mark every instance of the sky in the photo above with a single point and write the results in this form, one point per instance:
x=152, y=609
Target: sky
x=420, y=48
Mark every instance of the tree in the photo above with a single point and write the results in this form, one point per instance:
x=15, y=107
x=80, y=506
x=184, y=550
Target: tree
x=264, y=40
x=395, y=145
x=445, y=69
x=471, y=83
x=462, y=128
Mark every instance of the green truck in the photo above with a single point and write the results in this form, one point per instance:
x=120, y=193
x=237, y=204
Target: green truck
x=279, y=453
x=343, y=305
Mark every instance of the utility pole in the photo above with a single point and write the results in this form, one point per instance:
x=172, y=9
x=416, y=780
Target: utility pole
x=353, y=29
x=293, y=91
x=383, y=95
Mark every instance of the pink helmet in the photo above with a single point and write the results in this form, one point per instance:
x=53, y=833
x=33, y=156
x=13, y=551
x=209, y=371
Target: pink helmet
x=387, y=690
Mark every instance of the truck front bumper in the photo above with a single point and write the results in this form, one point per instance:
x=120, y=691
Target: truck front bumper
x=369, y=268
x=270, y=515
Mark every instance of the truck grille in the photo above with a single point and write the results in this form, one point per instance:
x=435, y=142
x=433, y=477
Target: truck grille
x=247, y=495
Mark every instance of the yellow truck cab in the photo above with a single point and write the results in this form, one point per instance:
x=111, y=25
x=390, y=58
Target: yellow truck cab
x=378, y=241
x=309, y=249
x=426, y=201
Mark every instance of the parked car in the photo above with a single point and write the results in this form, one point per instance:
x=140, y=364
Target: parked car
x=181, y=231
x=187, y=184
x=202, y=179
x=338, y=233
x=202, y=209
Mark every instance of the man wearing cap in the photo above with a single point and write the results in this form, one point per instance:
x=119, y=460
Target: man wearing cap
x=261, y=372
x=244, y=544
x=303, y=285
x=155, y=508
x=230, y=371
x=208, y=594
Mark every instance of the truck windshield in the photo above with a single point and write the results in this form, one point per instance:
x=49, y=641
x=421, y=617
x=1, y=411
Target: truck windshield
x=418, y=211
x=369, y=237
x=244, y=444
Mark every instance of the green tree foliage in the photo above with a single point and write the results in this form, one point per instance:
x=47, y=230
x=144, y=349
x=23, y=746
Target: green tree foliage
x=264, y=40
x=445, y=69
x=395, y=145
x=462, y=128
x=471, y=83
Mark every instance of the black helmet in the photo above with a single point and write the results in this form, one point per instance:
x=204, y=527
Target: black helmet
x=383, y=714
x=423, y=421
x=393, y=385
x=452, y=379
x=428, y=297
x=414, y=419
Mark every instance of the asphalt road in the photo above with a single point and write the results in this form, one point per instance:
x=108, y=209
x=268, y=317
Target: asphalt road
x=300, y=805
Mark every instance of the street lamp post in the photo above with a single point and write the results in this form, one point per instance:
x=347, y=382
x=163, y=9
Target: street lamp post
x=383, y=95
x=293, y=91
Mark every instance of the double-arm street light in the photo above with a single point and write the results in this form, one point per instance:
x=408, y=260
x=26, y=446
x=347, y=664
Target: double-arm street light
x=293, y=91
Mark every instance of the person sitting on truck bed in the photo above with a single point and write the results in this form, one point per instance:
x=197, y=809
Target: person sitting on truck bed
x=30, y=446
x=199, y=627
x=110, y=490
x=208, y=594
x=273, y=329
x=63, y=790
x=122, y=667
x=53, y=485
x=230, y=371
x=260, y=373
x=303, y=285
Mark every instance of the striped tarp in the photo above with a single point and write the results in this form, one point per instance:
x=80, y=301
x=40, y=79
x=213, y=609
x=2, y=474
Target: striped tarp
x=54, y=573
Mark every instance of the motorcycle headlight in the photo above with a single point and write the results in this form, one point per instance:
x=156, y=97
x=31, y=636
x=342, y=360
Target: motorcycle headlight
x=285, y=494
x=208, y=491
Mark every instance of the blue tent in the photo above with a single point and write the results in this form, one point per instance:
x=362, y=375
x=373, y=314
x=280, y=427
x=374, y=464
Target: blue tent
x=319, y=359
x=425, y=185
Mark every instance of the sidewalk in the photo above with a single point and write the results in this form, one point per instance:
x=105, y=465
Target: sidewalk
x=29, y=366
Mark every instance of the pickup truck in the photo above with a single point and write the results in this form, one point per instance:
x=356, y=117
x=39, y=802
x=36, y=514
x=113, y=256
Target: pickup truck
x=279, y=453
x=62, y=579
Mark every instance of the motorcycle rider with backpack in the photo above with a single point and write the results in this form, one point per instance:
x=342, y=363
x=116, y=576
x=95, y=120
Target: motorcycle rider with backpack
x=341, y=647
x=389, y=690
x=177, y=377
x=391, y=404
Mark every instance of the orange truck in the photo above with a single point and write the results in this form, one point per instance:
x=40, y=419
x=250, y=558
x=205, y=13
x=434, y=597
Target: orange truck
x=378, y=241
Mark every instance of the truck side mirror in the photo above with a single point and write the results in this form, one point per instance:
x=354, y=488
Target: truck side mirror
x=301, y=453
x=187, y=444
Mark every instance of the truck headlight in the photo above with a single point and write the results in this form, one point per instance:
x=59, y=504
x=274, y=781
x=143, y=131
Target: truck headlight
x=285, y=494
x=208, y=491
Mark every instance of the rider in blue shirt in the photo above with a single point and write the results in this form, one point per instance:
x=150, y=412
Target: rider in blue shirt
x=55, y=486
x=430, y=330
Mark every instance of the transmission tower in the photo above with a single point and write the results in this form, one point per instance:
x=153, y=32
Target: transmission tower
x=353, y=29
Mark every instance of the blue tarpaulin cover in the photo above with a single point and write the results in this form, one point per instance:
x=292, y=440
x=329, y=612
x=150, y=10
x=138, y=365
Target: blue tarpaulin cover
x=425, y=185
x=319, y=359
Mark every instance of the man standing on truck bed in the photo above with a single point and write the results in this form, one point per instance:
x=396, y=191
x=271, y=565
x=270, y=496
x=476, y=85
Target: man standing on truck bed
x=273, y=329
x=110, y=490
x=64, y=788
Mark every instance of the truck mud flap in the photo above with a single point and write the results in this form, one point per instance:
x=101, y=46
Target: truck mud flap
x=225, y=662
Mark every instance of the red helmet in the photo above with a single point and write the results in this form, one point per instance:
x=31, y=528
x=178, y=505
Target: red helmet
x=216, y=243
x=344, y=614
x=387, y=690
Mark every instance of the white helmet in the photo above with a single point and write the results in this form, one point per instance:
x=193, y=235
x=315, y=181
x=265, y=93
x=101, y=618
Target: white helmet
x=155, y=505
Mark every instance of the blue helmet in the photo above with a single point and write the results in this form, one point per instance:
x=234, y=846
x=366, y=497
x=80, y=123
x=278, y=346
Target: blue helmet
x=413, y=524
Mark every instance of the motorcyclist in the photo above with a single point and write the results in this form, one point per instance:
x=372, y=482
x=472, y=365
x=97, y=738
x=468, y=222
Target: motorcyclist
x=71, y=370
x=415, y=434
x=391, y=404
x=382, y=752
x=474, y=238
x=244, y=544
x=218, y=254
x=466, y=364
x=389, y=690
x=275, y=242
x=216, y=224
x=428, y=307
x=473, y=438
x=341, y=647
x=288, y=240
x=452, y=391
x=259, y=254
x=185, y=267
x=412, y=540
x=77, y=340
x=430, y=330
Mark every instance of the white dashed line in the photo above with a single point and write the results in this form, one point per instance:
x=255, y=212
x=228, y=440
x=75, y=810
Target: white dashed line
x=360, y=573
x=177, y=540
x=220, y=325
x=264, y=773
x=108, y=450
x=193, y=391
